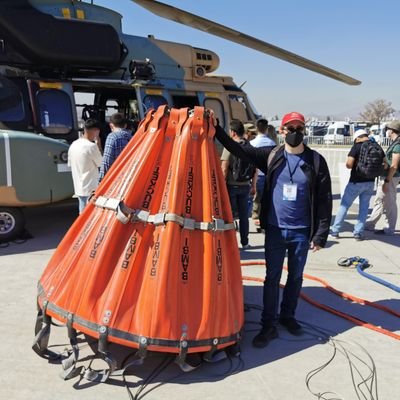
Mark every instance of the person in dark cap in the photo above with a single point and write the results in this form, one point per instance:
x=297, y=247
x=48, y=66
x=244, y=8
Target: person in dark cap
x=250, y=131
x=386, y=192
x=296, y=211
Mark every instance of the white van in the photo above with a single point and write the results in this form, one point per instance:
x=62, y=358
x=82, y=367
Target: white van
x=336, y=132
x=378, y=132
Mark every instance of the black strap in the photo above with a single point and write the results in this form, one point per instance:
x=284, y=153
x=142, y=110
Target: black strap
x=295, y=168
x=42, y=335
x=103, y=353
x=210, y=354
x=69, y=364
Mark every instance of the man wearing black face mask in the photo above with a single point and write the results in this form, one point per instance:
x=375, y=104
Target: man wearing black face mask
x=296, y=211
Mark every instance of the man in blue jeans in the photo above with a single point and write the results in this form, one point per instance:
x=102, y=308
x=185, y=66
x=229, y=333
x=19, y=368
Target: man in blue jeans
x=358, y=186
x=238, y=191
x=296, y=211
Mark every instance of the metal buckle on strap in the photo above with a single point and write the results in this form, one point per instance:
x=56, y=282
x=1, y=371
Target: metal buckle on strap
x=216, y=225
x=178, y=219
x=189, y=223
x=204, y=226
x=101, y=201
x=229, y=227
x=126, y=214
x=122, y=214
x=157, y=219
x=219, y=224
x=140, y=215
x=108, y=203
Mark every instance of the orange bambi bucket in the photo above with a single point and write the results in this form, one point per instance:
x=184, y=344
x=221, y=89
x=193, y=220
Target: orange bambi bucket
x=153, y=261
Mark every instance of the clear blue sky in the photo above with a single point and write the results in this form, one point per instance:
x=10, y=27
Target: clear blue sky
x=357, y=37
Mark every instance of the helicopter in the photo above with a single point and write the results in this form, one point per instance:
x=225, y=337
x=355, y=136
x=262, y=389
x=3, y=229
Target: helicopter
x=49, y=85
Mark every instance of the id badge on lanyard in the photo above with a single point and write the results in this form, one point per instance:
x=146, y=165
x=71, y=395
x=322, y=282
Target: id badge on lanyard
x=290, y=191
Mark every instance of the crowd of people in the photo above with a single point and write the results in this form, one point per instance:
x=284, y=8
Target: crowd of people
x=293, y=202
x=289, y=186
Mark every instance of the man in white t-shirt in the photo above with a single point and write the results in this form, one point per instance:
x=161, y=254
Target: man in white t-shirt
x=84, y=158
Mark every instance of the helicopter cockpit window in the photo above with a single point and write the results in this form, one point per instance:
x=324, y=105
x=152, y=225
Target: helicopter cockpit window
x=153, y=101
x=11, y=102
x=55, y=110
x=84, y=103
x=239, y=108
x=111, y=108
x=218, y=108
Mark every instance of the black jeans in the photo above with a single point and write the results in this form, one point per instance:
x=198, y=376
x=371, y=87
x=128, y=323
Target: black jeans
x=277, y=242
x=239, y=196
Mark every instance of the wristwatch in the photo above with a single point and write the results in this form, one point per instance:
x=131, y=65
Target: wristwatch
x=387, y=180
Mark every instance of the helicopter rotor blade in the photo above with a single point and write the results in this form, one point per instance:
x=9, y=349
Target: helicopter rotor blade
x=203, y=24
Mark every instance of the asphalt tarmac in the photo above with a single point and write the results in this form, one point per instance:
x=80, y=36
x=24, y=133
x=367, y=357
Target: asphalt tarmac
x=334, y=359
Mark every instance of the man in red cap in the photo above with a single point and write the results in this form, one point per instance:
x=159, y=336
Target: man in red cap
x=293, y=117
x=296, y=212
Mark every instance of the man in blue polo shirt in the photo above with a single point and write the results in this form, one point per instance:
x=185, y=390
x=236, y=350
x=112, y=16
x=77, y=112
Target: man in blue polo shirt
x=296, y=211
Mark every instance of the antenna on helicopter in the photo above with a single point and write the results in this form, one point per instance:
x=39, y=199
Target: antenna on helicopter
x=242, y=84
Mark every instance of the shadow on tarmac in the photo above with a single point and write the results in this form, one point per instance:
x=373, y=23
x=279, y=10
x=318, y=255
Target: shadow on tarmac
x=47, y=225
x=319, y=327
x=346, y=233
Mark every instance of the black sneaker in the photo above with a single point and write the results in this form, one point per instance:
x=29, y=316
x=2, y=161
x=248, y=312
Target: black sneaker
x=292, y=326
x=265, y=336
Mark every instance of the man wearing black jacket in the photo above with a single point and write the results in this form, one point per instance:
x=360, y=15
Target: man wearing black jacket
x=296, y=211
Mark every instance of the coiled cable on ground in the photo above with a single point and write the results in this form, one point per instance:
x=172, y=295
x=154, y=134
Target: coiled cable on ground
x=344, y=295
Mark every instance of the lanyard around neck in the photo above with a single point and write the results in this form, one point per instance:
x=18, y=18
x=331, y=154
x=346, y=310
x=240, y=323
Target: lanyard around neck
x=291, y=173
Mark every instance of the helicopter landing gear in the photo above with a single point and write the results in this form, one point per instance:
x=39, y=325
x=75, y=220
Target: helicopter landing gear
x=12, y=223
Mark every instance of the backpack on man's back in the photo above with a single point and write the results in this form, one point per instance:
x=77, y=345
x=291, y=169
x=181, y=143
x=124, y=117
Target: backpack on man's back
x=242, y=170
x=370, y=160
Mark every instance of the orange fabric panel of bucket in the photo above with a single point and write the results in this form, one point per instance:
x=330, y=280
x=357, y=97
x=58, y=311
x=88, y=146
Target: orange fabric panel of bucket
x=153, y=262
